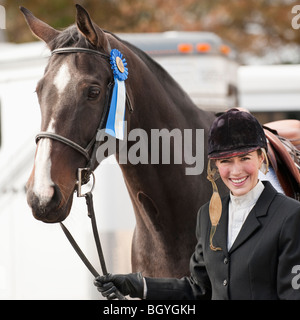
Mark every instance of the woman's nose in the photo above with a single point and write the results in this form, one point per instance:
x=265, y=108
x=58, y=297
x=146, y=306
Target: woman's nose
x=236, y=168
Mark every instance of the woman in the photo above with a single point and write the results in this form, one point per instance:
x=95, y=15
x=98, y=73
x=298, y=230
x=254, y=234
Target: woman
x=248, y=243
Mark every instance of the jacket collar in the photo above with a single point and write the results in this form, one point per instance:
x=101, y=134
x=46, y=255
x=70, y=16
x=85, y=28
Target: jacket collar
x=251, y=223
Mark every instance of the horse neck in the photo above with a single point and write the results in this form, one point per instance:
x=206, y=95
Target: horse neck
x=159, y=103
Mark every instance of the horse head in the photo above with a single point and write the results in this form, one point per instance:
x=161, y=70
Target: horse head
x=71, y=94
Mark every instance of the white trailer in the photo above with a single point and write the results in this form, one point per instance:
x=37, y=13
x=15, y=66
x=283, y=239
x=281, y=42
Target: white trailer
x=270, y=88
x=204, y=66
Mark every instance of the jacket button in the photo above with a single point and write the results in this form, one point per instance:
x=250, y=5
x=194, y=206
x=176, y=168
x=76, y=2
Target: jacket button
x=225, y=282
x=225, y=261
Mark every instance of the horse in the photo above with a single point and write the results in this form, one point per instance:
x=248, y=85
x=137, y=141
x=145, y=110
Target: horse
x=73, y=95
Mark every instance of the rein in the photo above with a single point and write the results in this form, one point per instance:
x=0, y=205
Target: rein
x=91, y=214
x=84, y=174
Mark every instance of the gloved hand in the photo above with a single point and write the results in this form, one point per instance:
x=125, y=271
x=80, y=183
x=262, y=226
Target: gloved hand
x=128, y=284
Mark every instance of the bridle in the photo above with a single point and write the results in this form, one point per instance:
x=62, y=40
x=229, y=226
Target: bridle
x=83, y=174
x=89, y=155
x=89, y=152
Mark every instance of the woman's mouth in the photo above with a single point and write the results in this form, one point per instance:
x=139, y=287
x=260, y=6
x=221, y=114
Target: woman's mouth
x=238, y=182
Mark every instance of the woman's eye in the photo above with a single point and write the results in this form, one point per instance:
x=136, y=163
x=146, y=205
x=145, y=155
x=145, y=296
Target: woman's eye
x=224, y=161
x=93, y=93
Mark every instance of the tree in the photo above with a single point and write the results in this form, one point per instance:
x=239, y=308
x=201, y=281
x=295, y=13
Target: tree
x=254, y=26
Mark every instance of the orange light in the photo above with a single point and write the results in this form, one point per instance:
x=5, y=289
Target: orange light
x=185, y=47
x=225, y=49
x=203, y=47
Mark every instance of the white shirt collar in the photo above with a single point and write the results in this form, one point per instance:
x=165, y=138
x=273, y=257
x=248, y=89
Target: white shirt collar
x=239, y=208
x=248, y=199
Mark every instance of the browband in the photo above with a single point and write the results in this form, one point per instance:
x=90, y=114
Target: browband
x=82, y=50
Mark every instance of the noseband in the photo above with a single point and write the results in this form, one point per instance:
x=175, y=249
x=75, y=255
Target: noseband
x=70, y=143
x=90, y=151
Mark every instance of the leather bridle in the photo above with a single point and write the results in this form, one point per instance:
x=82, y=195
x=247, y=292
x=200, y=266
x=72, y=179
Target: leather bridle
x=89, y=155
x=83, y=174
x=89, y=152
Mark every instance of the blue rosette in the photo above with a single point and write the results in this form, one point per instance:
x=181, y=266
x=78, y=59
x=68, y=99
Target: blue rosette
x=116, y=117
x=118, y=65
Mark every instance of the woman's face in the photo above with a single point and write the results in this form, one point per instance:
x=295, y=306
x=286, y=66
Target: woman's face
x=240, y=174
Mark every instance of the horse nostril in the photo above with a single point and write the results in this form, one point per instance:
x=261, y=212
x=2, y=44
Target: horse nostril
x=44, y=199
x=57, y=196
x=46, y=203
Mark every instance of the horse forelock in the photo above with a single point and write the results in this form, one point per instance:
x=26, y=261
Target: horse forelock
x=70, y=37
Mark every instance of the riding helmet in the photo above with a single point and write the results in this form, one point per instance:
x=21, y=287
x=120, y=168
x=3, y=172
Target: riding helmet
x=235, y=133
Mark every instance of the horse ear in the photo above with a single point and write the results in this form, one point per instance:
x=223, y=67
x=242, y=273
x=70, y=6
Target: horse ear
x=39, y=28
x=86, y=26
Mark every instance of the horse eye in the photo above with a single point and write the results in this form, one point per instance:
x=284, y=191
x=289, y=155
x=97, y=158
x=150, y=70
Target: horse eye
x=93, y=93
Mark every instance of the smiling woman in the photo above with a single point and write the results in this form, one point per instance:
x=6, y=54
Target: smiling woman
x=248, y=241
x=240, y=173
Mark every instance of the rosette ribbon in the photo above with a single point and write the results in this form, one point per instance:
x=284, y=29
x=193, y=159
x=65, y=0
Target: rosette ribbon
x=116, y=117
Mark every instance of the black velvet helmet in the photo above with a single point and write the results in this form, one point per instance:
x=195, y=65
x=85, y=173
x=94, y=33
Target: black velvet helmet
x=235, y=133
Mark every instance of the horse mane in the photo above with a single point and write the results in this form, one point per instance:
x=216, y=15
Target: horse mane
x=162, y=75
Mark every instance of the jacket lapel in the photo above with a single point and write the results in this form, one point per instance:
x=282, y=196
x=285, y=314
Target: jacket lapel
x=252, y=222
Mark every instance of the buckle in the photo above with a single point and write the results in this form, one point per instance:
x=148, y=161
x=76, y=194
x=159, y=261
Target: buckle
x=83, y=177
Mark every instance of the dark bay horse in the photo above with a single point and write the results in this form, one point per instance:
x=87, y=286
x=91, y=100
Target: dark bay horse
x=72, y=96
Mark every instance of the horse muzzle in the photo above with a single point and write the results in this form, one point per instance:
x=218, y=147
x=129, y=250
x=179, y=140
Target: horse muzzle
x=49, y=206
